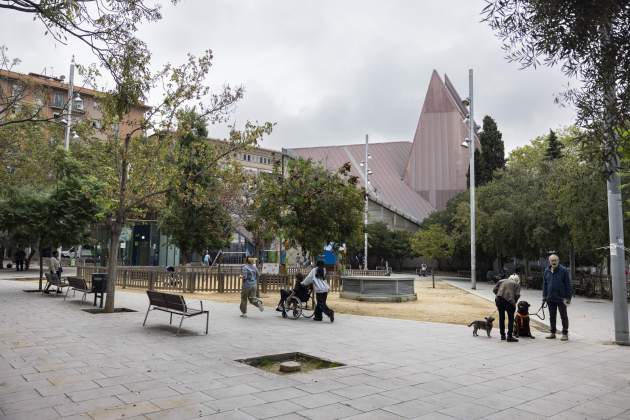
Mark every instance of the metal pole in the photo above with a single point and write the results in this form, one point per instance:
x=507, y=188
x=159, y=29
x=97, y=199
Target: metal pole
x=617, y=263
x=70, y=101
x=471, y=137
x=365, y=211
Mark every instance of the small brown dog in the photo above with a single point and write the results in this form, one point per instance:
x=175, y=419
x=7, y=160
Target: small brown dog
x=521, y=321
x=486, y=324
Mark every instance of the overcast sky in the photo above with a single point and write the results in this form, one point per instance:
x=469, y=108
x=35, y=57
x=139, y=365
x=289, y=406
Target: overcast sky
x=329, y=72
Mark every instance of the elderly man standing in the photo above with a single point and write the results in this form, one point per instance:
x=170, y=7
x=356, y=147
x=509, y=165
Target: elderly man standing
x=557, y=294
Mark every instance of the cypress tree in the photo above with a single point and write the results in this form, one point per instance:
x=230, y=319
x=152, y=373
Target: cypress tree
x=554, y=147
x=492, y=156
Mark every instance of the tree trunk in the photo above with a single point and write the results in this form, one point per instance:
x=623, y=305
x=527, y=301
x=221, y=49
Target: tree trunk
x=112, y=266
x=41, y=267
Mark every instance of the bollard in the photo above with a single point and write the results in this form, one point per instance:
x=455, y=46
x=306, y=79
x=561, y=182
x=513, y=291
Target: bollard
x=433, y=277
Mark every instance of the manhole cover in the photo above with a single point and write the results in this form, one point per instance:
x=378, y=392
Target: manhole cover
x=305, y=362
x=102, y=311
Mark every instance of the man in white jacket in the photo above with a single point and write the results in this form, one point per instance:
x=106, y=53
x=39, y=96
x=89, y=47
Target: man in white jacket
x=317, y=277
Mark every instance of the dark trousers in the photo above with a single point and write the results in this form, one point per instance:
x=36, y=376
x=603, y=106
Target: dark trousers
x=321, y=306
x=19, y=265
x=562, y=308
x=503, y=306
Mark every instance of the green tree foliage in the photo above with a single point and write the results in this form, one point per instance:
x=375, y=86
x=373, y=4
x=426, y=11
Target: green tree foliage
x=492, y=155
x=433, y=242
x=310, y=206
x=48, y=217
x=390, y=245
x=554, y=147
x=195, y=215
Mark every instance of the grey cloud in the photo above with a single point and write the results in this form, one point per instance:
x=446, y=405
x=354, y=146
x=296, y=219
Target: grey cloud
x=327, y=71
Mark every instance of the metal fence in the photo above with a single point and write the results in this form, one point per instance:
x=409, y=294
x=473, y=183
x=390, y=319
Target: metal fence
x=222, y=279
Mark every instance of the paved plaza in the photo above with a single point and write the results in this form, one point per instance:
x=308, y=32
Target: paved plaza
x=57, y=361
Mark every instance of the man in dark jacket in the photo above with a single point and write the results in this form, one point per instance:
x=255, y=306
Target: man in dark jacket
x=557, y=294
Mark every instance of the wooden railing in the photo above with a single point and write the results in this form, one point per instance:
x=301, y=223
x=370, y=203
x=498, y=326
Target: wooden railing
x=220, y=279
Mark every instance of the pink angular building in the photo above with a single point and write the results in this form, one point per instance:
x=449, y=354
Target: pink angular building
x=410, y=180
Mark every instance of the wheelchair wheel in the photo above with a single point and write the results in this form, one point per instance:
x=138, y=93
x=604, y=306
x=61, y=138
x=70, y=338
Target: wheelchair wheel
x=308, y=308
x=294, y=307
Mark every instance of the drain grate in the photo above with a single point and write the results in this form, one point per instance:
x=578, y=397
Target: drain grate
x=271, y=363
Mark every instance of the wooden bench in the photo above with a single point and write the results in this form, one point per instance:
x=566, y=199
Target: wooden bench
x=52, y=279
x=173, y=304
x=77, y=284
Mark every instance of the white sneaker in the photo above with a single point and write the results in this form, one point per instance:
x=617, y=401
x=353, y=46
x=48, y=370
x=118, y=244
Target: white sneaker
x=243, y=315
x=260, y=307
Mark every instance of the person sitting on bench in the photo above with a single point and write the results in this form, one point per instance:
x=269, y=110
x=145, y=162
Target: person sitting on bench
x=299, y=290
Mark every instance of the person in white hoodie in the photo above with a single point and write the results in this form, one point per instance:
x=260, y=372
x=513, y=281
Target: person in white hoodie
x=317, y=277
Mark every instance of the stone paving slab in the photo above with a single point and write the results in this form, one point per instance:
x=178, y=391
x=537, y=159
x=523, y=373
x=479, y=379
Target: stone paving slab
x=57, y=361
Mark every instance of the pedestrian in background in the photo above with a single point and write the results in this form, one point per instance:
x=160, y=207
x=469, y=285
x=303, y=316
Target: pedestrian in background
x=557, y=293
x=249, y=274
x=20, y=256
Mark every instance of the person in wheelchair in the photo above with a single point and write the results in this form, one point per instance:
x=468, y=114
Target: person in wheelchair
x=299, y=290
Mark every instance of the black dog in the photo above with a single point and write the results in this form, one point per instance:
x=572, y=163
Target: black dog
x=521, y=321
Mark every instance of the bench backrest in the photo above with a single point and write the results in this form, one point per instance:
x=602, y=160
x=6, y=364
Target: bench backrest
x=167, y=300
x=77, y=283
x=52, y=278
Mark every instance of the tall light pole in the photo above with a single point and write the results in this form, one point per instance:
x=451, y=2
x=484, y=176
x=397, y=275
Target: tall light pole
x=66, y=144
x=366, y=173
x=470, y=144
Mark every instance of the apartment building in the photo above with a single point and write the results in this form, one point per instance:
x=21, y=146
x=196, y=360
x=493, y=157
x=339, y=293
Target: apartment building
x=48, y=95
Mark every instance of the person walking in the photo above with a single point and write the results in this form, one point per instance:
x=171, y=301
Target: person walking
x=206, y=259
x=508, y=292
x=54, y=267
x=249, y=274
x=317, y=277
x=557, y=293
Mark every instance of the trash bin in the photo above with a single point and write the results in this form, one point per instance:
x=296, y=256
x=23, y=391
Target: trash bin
x=99, y=286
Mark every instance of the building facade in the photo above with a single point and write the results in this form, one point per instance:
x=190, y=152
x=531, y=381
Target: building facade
x=410, y=179
x=47, y=97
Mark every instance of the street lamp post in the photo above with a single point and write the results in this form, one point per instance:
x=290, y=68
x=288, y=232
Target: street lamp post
x=471, y=136
x=366, y=174
x=66, y=144
x=470, y=144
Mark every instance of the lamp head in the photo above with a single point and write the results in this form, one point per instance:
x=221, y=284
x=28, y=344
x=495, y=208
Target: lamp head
x=466, y=101
x=466, y=143
x=78, y=102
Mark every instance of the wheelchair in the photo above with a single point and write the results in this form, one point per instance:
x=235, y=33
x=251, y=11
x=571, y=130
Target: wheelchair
x=295, y=308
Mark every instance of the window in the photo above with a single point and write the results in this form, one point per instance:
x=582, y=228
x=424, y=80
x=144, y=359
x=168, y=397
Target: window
x=249, y=157
x=59, y=99
x=97, y=124
x=244, y=156
x=17, y=90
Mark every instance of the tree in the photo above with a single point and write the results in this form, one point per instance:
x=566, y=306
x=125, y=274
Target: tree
x=492, y=151
x=554, y=147
x=107, y=27
x=136, y=167
x=49, y=217
x=589, y=40
x=310, y=206
x=433, y=243
x=194, y=215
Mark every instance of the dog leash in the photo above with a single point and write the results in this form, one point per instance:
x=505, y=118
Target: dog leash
x=541, y=311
